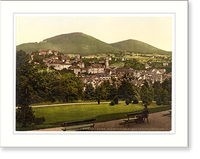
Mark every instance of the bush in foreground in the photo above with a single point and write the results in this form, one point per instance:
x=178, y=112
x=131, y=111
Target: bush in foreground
x=127, y=101
x=112, y=103
x=115, y=100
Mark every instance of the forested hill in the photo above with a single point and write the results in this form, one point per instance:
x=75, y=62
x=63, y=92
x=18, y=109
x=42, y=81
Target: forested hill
x=73, y=43
x=138, y=46
x=80, y=43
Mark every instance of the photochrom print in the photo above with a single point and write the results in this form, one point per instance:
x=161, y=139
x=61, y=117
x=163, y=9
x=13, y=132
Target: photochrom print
x=95, y=72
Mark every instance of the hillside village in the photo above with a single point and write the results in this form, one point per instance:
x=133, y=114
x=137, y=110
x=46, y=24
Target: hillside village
x=99, y=72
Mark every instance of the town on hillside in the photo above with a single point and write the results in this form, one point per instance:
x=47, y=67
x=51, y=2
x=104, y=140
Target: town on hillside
x=98, y=72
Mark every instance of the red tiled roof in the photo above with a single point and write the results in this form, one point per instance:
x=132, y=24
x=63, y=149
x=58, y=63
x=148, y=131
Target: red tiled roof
x=93, y=76
x=88, y=66
x=97, y=66
x=74, y=67
x=65, y=57
x=57, y=62
x=53, y=56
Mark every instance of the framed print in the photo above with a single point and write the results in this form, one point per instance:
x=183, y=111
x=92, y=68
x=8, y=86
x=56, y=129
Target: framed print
x=86, y=74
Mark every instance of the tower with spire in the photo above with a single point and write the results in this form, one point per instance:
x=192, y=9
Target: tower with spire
x=107, y=62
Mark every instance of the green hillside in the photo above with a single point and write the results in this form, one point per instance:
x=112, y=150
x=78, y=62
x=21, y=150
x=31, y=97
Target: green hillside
x=79, y=43
x=73, y=43
x=138, y=46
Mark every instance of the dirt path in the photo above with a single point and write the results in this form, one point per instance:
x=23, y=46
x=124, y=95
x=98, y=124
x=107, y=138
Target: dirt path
x=157, y=122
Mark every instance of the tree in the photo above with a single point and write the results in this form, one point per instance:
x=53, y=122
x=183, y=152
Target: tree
x=162, y=96
x=145, y=95
x=89, y=92
x=59, y=58
x=126, y=90
x=146, y=84
x=167, y=85
x=135, y=100
x=112, y=103
x=127, y=101
x=107, y=86
x=158, y=100
x=165, y=97
x=70, y=87
x=135, y=64
x=115, y=100
x=25, y=73
x=104, y=93
x=113, y=92
x=98, y=94
x=25, y=115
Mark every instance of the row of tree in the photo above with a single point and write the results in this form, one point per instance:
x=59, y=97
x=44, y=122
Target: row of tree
x=38, y=86
x=161, y=93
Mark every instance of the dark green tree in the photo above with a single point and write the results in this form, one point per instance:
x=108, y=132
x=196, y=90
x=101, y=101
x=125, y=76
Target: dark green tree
x=165, y=97
x=70, y=88
x=25, y=73
x=89, y=92
x=126, y=90
x=145, y=95
x=127, y=101
x=98, y=94
x=167, y=85
x=113, y=92
x=104, y=93
x=158, y=99
x=115, y=99
x=135, y=100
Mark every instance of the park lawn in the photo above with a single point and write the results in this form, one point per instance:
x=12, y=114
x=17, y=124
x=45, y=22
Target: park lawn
x=56, y=116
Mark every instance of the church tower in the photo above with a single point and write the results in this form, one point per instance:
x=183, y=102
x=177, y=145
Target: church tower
x=107, y=62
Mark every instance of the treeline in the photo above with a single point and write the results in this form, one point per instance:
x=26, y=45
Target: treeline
x=128, y=92
x=134, y=64
x=36, y=86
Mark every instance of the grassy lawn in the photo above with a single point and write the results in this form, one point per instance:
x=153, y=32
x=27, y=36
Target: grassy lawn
x=118, y=64
x=56, y=116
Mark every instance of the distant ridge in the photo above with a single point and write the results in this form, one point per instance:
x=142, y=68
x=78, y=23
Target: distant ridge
x=138, y=46
x=80, y=43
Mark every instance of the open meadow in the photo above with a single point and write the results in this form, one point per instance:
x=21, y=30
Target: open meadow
x=55, y=116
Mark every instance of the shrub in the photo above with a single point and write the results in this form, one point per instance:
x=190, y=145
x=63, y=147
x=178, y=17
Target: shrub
x=127, y=101
x=36, y=99
x=112, y=103
x=135, y=100
x=25, y=116
x=115, y=100
x=158, y=100
x=130, y=99
x=39, y=120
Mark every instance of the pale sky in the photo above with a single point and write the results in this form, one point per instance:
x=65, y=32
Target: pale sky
x=156, y=31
